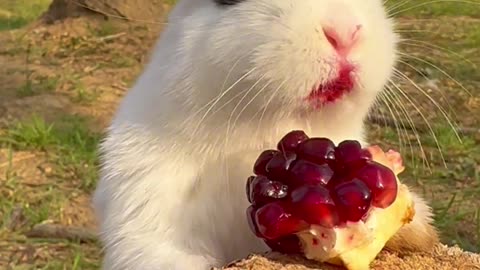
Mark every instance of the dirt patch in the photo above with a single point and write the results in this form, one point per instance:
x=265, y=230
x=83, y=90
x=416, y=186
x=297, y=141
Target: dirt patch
x=131, y=10
x=76, y=67
x=71, y=67
x=36, y=175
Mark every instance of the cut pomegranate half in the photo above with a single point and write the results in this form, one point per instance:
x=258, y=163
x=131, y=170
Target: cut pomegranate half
x=329, y=198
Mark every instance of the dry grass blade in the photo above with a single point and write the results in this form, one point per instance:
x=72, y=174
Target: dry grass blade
x=62, y=232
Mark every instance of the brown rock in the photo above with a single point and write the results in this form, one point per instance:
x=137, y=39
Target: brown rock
x=442, y=258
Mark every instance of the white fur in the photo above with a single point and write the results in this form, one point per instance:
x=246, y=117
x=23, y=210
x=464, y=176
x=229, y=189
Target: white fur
x=172, y=188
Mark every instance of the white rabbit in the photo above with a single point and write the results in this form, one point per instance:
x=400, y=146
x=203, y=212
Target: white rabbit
x=227, y=79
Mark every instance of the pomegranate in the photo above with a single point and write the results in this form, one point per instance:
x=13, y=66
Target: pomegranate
x=333, y=203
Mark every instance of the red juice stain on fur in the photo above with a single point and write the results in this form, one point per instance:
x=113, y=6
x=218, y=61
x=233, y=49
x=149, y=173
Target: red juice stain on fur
x=333, y=90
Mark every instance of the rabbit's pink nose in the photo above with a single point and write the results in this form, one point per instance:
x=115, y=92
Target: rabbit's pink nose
x=343, y=43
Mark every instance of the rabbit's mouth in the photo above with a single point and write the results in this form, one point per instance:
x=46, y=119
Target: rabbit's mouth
x=334, y=89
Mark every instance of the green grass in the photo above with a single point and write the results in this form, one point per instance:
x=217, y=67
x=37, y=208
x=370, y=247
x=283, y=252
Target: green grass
x=80, y=93
x=38, y=86
x=451, y=51
x=106, y=28
x=18, y=13
x=70, y=148
x=70, y=143
x=452, y=191
x=63, y=256
x=434, y=8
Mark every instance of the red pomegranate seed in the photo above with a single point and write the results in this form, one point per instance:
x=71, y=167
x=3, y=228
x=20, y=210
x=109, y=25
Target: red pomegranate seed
x=365, y=154
x=273, y=221
x=262, y=160
x=337, y=179
x=289, y=244
x=353, y=200
x=317, y=150
x=381, y=181
x=290, y=141
x=314, y=205
x=349, y=152
x=251, y=211
x=262, y=190
x=305, y=172
x=277, y=167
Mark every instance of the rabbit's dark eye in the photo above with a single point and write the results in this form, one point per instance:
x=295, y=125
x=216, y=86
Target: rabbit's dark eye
x=228, y=2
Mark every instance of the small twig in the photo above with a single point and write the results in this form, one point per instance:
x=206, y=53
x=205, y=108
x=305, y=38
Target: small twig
x=110, y=37
x=27, y=66
x=389, y=122
x=62, y=232
x=16, y=218
x=119, y=87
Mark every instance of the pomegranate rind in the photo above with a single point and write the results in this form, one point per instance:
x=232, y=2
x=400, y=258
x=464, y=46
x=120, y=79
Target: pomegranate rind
x=356, y=244
x=390, y=159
